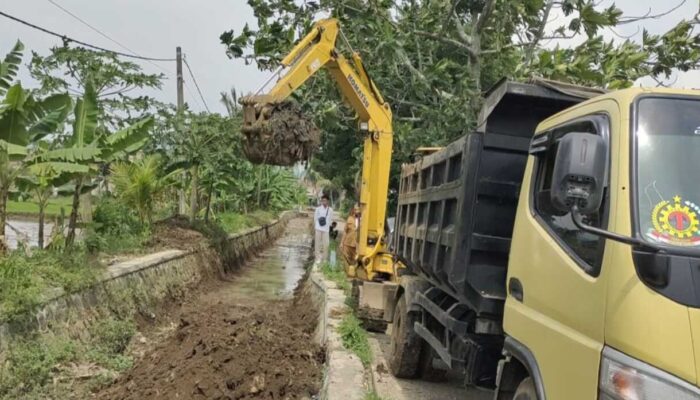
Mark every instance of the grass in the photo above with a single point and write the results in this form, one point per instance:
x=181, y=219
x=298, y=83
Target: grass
x=32, y=208
x=24, y=279
x=355, y=338
x=336, y=275
x=236, y=222
x=31, y=365
x=372, y=396
x=111, y=243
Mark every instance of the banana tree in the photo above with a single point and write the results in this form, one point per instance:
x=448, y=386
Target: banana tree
x=88, y=145
x=40, y=179
x=23, y=121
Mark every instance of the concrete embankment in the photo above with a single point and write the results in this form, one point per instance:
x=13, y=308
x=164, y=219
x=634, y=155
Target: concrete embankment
x=136, y=288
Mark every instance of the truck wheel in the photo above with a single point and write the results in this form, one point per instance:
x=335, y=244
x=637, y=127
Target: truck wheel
x=405, y=348
x=427, y=371
x=526, y=390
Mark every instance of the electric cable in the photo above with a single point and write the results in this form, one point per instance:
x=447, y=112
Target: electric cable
x=69, y=39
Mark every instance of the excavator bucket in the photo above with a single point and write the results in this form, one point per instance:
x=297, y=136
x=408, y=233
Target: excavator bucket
x=277, y=133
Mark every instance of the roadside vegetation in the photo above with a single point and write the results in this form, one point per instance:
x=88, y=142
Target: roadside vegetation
x=37, y=367
x=104, y=174
x=102, y=169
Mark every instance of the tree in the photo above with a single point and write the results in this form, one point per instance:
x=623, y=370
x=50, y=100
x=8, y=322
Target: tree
x=111, y=78
x=41, y=178
x=433, y=60
x=88, y=146
x=138, y=184
x=24, y=120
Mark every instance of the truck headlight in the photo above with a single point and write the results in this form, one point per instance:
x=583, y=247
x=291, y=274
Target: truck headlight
x=625, y=378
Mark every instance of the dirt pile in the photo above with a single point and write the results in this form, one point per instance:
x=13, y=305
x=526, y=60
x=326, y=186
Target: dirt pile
x=231, y=352
x=175, y=233
x=278, y=133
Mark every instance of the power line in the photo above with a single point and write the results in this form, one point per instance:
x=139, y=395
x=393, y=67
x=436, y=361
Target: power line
x=195, y=84
x=69, y=39
x=98, y=31
x=82, y=21
x=190, y=92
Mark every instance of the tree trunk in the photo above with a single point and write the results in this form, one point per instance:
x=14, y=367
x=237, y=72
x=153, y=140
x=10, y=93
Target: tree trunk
x=193, y=193
x=73, y=220
x=206, y=213
x=181, y=203
x=3, y=212
x=259, y=187
x=42, y=208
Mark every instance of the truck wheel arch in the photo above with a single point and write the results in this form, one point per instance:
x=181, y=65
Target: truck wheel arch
x=518, y=364
x=408, y=286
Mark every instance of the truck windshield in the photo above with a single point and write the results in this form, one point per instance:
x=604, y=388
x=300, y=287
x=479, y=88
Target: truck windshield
x=668, y=157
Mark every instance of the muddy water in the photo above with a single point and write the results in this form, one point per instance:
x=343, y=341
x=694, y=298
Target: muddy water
x=274, y=273
x=25, y=229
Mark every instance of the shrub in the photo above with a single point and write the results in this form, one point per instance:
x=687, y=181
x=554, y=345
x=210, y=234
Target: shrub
x=115, y=218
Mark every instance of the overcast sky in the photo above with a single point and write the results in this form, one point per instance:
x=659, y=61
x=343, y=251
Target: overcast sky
x=155, y=27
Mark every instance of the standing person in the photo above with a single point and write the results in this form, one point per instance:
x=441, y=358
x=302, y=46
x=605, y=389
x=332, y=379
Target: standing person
x=349, y=242
x=323, y=216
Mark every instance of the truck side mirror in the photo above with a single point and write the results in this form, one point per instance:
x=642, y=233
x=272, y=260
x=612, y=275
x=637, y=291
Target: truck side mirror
x=579, y=173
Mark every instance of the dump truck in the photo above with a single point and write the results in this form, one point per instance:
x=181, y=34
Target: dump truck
x=554, y=252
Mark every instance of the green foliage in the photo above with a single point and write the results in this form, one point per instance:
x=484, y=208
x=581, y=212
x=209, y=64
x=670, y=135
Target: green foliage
x=114, y=217
x=138, y=184
x=116, y=228
x=233, y=222
x=30, y=364
x=10, y=66
x=24, y=280
x=113, y=78
x=53, y=207
x=336, y=275
x=372, y=395
x=355, y=338
x=434, y=60
x=113, y=335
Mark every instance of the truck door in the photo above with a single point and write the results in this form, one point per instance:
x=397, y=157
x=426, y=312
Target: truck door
x=556, y=302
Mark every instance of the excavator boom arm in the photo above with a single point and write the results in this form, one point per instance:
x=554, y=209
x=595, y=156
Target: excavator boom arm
x=317, y=51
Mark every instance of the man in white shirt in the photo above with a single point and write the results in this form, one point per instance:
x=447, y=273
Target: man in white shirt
x=323, y=216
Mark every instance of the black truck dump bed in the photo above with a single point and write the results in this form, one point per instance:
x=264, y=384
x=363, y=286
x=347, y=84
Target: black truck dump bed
x=456, y=207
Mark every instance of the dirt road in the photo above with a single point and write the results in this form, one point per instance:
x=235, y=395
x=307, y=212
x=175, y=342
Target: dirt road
x=250, y=338
x=389, y=387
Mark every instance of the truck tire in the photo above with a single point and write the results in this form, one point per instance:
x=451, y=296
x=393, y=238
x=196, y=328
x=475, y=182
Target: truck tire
x=526, y=390
x=405, y=349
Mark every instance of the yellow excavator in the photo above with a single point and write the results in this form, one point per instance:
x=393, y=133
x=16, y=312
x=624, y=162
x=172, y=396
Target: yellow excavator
x=375, y=267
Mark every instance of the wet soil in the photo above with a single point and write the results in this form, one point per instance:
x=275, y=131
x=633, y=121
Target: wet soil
x=175, y=233
x=282, y=134
x=250, y=338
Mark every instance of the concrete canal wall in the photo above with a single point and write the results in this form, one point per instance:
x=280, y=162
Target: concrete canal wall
x=138, y=287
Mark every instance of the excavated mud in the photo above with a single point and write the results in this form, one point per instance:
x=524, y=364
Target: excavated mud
x=238, y=340
x=231, y=353
x=283, y=136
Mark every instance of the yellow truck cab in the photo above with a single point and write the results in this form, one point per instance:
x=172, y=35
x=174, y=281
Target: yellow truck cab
x=554, y=253
x=611, y=312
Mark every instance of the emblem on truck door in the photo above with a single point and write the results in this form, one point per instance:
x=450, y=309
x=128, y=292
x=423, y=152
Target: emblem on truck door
x=676, y=222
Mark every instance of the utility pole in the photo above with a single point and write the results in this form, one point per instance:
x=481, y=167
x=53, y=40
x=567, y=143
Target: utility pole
x=180, y=81
x=181, y=205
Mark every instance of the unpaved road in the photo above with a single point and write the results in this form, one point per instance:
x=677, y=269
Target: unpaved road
x=251, y=338
x=391, y=388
